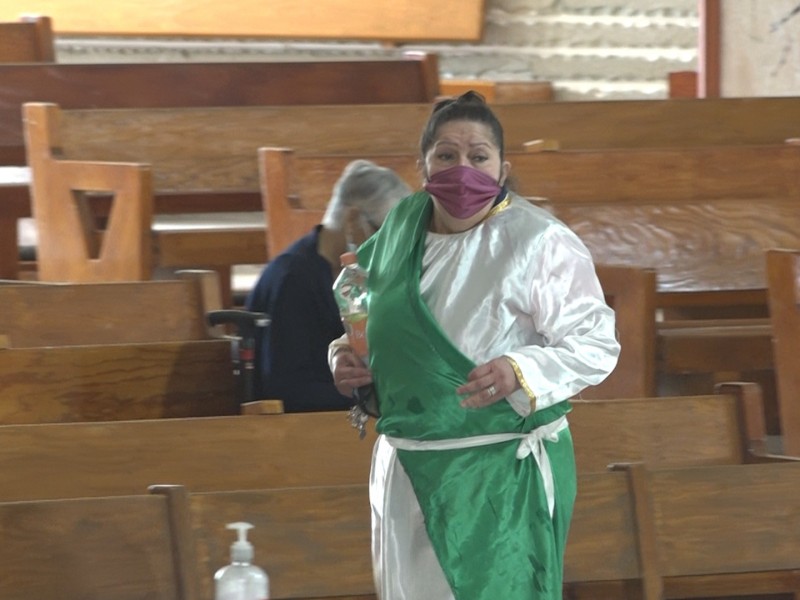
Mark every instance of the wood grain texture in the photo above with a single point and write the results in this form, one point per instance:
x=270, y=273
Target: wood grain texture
x=29, y=39
x=783, y=269
x=388, y=20
x=104, y=313
x=313, y=542
x=53, y=460
x=92, y=548
x=116, y=382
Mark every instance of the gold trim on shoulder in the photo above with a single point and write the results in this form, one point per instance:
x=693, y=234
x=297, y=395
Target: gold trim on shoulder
x=521, y=379
x=500, y=206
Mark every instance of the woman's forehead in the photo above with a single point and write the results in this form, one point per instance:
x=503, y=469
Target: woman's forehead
x=470, y=132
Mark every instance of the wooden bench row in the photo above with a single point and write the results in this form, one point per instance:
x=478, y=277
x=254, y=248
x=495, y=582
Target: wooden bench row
x=219, y=156
x=640, y=532
x=390, y=21
x=39, y=314
x=112, y=351
x=700, y=218
x=409, y=77
x=62, y=460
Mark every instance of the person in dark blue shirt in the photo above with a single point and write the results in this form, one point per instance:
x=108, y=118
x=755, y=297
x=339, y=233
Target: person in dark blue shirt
x=296, y=290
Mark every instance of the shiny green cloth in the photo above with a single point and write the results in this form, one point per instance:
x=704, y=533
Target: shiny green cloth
x=485, y=510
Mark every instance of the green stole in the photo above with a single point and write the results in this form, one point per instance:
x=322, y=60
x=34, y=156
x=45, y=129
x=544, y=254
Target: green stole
x=485, y=510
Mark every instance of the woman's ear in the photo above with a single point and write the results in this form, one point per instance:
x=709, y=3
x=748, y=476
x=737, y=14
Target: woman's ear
x=505, y=169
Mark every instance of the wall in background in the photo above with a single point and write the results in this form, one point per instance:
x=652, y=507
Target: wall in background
x=760, y=49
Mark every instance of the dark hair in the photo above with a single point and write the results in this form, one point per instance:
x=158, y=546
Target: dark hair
x=469, y=106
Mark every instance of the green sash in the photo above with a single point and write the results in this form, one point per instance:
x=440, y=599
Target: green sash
x=485, y=511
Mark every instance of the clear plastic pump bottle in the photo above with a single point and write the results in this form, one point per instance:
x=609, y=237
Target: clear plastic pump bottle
x=241, y=580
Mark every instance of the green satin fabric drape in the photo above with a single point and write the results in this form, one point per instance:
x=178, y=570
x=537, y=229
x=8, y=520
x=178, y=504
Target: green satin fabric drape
x=485, y=511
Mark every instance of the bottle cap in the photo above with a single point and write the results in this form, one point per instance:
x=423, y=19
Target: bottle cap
x=241, y=549
x=348, y=258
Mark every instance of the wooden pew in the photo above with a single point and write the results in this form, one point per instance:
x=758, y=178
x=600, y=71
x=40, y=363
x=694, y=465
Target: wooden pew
x=389, y=21
x=696, y=215
x=117, y=381
x=696, y=533
x=313, y=542
x=639, y=532
x=118, y=548
x=66, y=460
x=29, y=39
x=56, y=460
x=37, y=314
x=650, y=533
x=500, y=92
x=362, y=128
x=702, y=217
x=615, y=199
x=295, y=189
x=783, y=279
x=603, y=558
x=409, y=77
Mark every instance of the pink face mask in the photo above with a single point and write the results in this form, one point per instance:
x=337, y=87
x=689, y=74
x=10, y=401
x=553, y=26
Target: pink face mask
x=462, y=191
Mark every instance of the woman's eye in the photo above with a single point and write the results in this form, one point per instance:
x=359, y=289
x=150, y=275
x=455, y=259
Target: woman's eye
x=479, y=159
x=444, y=156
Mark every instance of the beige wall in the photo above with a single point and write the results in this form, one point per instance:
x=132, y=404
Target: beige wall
x=760, y=49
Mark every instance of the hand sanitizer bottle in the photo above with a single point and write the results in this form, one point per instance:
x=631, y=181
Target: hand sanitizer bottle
x=241, y=580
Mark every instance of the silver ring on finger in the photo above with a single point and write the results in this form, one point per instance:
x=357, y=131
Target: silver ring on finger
x=492, y=391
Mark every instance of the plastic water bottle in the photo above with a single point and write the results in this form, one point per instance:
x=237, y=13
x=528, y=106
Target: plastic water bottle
x=241, y=580
x=350, y=291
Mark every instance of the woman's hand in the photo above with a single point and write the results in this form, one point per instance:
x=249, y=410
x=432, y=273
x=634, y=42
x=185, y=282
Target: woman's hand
x=348, y=371
x=488, y=383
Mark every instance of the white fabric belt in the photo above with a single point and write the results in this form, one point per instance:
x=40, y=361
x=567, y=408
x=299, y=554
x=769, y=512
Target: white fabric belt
x=530, y=444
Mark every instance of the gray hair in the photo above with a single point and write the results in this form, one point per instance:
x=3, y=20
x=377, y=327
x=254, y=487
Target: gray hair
x=373, y=189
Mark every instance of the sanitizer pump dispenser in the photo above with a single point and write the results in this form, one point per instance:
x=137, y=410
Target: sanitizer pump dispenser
x=241, y=580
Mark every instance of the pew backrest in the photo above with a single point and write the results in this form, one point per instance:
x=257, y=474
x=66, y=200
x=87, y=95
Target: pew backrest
x=702, y=217
x=313, y=542
x=389, y=21
x=149, y=380
x=115, y=548
x=695, y=215
x=66, y=460
x=29, y=39
x=723, y=428
x=54, y=460
x=709, y=541
x=783, y=277
x=410, y=77
x=108, y=313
